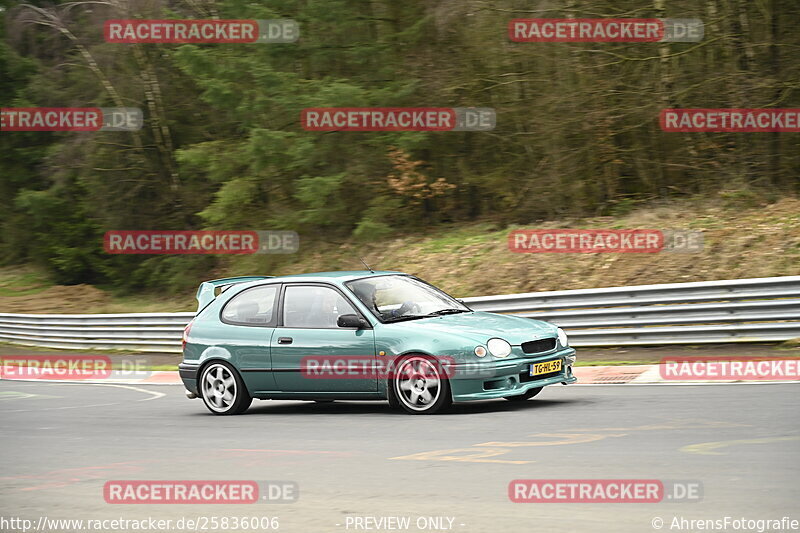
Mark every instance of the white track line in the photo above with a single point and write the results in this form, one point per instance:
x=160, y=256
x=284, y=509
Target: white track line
x=153, y=396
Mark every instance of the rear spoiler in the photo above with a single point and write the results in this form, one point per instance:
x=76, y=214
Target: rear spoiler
x=206, y=293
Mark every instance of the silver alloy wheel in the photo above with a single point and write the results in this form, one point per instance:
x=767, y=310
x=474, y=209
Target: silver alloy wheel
x=418, y=384
x=219, y=388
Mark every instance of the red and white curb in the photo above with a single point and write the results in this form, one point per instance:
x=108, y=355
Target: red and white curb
x=598, y=375
x=652, y=374
x=587, y=375
x=161, y=377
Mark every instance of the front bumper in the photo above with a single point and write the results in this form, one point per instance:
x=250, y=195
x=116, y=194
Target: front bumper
x=507, y=377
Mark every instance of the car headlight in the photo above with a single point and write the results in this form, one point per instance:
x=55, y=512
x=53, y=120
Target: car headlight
x=562, y=338
x=480, y=351
x=498, y=347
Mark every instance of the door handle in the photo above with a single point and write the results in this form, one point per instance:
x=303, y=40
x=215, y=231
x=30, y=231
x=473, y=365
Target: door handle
x=285, y=340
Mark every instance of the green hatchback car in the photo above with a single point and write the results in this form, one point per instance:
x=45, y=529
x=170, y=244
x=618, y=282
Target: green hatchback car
x=361, y=336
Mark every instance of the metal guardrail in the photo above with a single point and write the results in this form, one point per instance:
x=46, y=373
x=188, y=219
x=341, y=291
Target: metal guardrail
x=144, y=332
x=743, y=310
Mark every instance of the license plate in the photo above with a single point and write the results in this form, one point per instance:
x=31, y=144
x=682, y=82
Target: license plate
x=545, y=367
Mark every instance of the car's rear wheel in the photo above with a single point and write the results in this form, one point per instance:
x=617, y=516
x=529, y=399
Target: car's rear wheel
x=420, y=387
x=527, y=395
x=223, y=390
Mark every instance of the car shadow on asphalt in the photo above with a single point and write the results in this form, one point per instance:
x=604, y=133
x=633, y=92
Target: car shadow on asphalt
x=499, y=406
x=349, y=408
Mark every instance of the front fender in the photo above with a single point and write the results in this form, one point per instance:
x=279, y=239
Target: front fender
x=451, y=350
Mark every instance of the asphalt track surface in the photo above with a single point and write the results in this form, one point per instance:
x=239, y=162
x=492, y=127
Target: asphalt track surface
x=62, y=442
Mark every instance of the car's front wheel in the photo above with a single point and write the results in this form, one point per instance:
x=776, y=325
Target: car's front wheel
x=527, y=395
x=419, y=386
x=223, y=390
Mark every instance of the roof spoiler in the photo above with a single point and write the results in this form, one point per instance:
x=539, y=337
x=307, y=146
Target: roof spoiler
x=206, y=293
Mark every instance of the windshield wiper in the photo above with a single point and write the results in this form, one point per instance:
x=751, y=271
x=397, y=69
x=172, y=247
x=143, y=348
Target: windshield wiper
x=449, y=311
x=402, y=317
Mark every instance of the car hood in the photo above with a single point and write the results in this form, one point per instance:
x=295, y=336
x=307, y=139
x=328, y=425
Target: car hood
x=481, y=326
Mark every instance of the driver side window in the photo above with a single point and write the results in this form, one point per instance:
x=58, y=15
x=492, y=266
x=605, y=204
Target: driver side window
x=313, y=307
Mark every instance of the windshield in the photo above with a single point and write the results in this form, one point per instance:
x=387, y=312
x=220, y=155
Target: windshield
x=395, y=298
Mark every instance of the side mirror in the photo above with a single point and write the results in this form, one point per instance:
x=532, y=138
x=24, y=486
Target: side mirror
x=349, y=321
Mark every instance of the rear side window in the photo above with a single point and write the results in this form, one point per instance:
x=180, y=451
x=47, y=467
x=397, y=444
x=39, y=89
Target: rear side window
x=252, y=307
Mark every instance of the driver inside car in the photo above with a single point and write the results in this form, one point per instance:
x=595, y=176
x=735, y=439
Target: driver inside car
x=367, y=292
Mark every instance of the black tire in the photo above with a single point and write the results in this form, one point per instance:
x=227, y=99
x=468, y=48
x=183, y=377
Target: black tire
x=394, y=403
x=419, y=386
x=530, y=393
x=221, y=396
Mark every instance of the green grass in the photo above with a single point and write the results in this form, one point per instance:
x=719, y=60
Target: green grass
x=22, y=282
x=454, y=240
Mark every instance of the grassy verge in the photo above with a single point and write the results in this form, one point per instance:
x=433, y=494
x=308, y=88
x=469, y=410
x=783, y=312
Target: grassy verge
x=760, y=240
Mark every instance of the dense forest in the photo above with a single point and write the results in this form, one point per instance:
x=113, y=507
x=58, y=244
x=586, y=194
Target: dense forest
x=222, y=146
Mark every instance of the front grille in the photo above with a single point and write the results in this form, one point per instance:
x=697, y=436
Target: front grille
x=542, y=345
